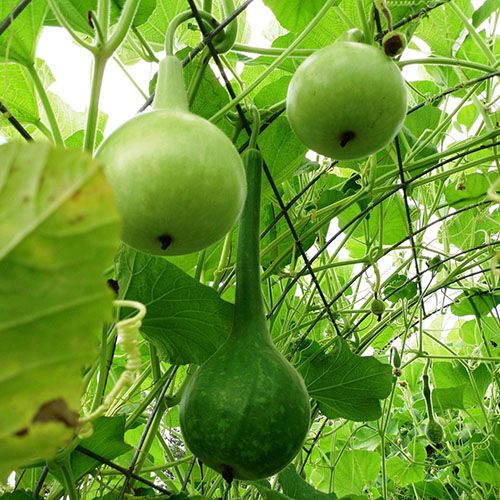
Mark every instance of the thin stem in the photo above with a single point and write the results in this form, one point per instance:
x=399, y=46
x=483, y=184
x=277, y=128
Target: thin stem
x=69, y=480
x=447, y=61
x=363, y=19
x=317, y=18
x=473, y=34
x=42, y=94
x=122, y=28
x=177, y=21
x=129, y=76
x=93, y=113
x=151, y=55
x=103, y=18
x=271, y=51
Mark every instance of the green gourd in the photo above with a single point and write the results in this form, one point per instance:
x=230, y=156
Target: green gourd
x=433, y=430
x=377, y=307
x=246, y=411
x=179, y=181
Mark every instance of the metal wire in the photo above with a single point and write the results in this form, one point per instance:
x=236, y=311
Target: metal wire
x=13, y=14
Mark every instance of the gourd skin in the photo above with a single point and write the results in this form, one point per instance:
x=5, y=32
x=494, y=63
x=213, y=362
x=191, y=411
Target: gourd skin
x=174, y=175
x=347, y=101
x=246, y=411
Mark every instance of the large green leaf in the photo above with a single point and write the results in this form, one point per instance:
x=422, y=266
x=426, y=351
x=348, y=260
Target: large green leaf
x=155, y=27
x=347, y=385
x=475, y=302
x=76, y=13
x=58, y=232
x=355, y=470
x=18, y=92
x=295, y=14
x=18, y=41
x=106, y=441
x=186, y=321
x=295, y=487
x=450, y=375
x=395, y=221
x=407, y=469
x=468, y=190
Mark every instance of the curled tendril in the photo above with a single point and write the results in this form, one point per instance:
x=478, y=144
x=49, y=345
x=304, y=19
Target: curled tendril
x=128, y=340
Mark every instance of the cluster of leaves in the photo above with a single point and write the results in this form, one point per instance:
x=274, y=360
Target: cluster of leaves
x=417, y=224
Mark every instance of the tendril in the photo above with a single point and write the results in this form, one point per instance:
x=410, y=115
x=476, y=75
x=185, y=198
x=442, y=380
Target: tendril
x=128, y=340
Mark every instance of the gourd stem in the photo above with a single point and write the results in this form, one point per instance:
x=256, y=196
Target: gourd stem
x=255, y=128
x=42, y=94
x=178, y=20
x=249, y=304
x=231, y=32
x=170, y=90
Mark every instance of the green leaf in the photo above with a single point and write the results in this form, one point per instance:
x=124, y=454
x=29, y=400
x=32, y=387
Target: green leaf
x=475, y=302
x=355, y=470
x=282, y=152
x=450, y=375
x=394, y=213
x=347, y=385
x=105, y=441
x=467, y=191
x=281, y=230
x=294, y=14
x=267, y=493
x=448, y=398
x=185, y=320
x=18, y=92
x=155, y=27
x=295, y=487
x=480, y=15
x=406, y=289
x=469, y=229
x=441, y=29
x=405, y=470
x=485, y=472
x=144, y=11
x=58, y=233
x=76, y=13
x=17, y=495
x=18, y=42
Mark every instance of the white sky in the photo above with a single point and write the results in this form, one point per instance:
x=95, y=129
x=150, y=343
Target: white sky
x=71, y=67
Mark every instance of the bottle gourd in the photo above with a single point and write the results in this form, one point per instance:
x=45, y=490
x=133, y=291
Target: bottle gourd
x=246, y=411
x=179, y=181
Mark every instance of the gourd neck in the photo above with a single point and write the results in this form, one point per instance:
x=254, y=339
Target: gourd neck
x=170, y=90
x=249, y=316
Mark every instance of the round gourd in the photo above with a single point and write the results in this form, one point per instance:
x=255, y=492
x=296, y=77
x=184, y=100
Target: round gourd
x=178, y=180
x=246, y=411
x=377, y=307
x=347, y=100
x=434, y=431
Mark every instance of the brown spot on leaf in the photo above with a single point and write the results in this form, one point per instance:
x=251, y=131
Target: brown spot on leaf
x=76, y=220
x=56, y=411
